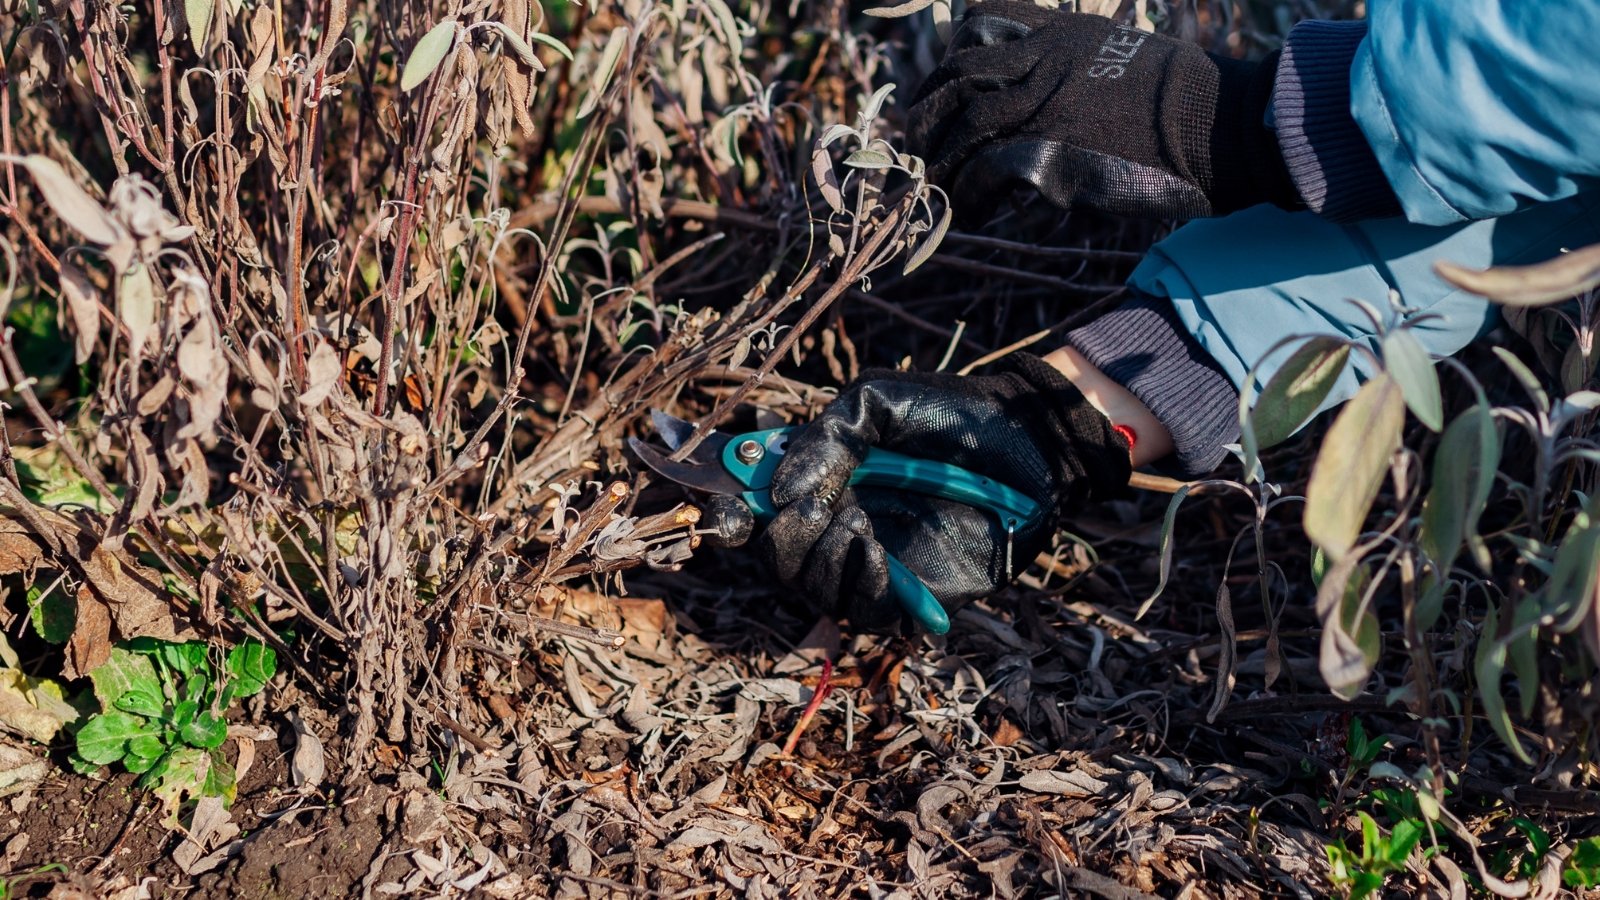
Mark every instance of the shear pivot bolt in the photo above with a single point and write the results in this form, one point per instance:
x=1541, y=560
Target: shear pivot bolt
x=750, y=452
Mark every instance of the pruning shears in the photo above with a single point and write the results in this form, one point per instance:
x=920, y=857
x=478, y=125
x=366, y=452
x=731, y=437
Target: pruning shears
x=742, y=465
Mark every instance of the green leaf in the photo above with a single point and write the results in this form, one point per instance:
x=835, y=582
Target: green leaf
x=1538, y=838
x=518, y=46
x=125, y=671
x=139, y=765
x=428, y=54
x=152, y=775
x=1522, y=651
x=186, y=657
x=1366, y=884
x=1430, y=602
x=1583, y=866
x=148, y=746
x=1577, y=367
x=1573, y=579
x=929, y=244
x=184, y=775
x=1404, y=838
x=183, y=712
x=1489, y=665
x=54, y=615
x=553, y=43
x=104, y=738
x=1463, y=475
x=1351, y=465
x=603, y=72
x=1297, y=389
x=250, y=666
x=868, y=159
x=199, y=13
x=1412, y=369
x=1370, y=841
x=1355, y=743
x=206, y=731
x=1523, y=374
x=221, y=780
x=141, y=703
x=1319, y=566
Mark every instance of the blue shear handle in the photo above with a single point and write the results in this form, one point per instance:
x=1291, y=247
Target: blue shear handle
x=885, y=468
x=907, y=589
x=915, y=599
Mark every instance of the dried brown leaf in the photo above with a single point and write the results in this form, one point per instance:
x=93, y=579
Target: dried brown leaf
x=133, y=595
x=322, y=374
x=83, y=306
x=90, y=645
x=136, y=304
x=71, y=202
x=307, y=765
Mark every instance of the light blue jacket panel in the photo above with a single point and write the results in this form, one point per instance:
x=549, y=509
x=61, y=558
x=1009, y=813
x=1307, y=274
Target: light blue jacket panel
x=1242, y=283
x=1479, y=108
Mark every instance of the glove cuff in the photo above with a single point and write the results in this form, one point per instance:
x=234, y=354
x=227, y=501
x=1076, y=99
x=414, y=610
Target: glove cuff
x=1091, y=457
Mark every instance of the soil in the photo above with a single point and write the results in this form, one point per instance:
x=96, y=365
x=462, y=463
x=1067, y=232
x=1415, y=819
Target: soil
x=102, y=835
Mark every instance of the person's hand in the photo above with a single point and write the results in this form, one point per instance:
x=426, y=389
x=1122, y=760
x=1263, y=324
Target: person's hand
x=1025, y=426
x=1088, y=111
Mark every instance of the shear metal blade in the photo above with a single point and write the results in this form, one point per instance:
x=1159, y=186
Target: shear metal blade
x=707, y=476
x=673, y=430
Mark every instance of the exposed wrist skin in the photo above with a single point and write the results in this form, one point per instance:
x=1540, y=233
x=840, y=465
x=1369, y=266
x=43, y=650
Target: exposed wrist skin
x=1144, y=349
x=1152, y=440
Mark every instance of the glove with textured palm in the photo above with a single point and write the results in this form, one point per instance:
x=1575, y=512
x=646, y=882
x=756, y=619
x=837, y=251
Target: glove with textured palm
x=1088, y=111
x=1025, y=426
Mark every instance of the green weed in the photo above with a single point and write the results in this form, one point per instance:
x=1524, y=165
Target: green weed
x=163, y=708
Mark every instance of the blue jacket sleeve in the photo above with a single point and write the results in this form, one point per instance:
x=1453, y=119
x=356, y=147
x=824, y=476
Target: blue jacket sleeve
x=1242, y=283
x=1480, y=108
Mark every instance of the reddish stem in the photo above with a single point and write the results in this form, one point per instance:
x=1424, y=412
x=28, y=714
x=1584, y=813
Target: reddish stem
x=824, y=688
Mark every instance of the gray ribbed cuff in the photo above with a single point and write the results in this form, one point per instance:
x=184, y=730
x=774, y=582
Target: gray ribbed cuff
x=1142, y=346
x=1329, y=159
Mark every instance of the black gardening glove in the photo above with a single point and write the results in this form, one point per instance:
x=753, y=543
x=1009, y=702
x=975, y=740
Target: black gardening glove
x=1088, y=111
x=1024, y=426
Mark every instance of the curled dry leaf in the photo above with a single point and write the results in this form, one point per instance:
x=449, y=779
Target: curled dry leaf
x=71, y=202
x=137, y=602
x=136, y=305
x=25, y=706
x=205, y=373
x=209, y=825
x=20, y=770
x=307, y=765
x=1068, y=782
x=1566, y=276
x=83, y=307
x=322, y=374
x=827, y=181
x=90, y=645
